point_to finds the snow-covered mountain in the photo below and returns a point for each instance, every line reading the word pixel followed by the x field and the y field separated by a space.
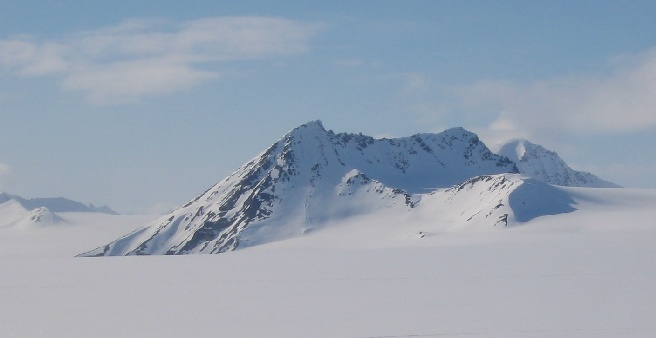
pixel 14 214
pixel 308 178
pixel 544 165
pixel 55 204
pixel 493 200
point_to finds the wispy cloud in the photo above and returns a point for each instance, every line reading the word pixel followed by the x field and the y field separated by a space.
pixel 148 57
pixel 619 101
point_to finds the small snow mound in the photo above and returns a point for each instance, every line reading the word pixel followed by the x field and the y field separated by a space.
pixel 352 179
pixel 41 217
pixel 14 215
pixel 354 173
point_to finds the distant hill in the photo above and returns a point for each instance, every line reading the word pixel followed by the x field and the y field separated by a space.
pixel 55 204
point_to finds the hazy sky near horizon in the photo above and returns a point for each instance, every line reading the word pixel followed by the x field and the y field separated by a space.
pixel 143 105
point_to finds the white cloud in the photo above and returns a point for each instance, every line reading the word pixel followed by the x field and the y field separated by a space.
pixel 620 102
pixel 130 80
pixel 149 57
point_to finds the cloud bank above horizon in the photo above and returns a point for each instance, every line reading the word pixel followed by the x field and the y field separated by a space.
pixel 142 58
pixel 619 101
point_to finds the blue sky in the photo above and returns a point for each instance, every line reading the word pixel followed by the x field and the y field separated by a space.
pixel 144 105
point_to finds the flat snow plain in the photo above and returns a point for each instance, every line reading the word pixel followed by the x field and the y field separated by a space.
pixel 589 273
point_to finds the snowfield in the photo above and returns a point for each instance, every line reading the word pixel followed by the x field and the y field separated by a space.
pixel 589 272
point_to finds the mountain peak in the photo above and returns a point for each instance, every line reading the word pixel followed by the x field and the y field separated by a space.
pixel 314 124
pixel 457 130
pixel 544 165
pixel 307 178
pixel 309 127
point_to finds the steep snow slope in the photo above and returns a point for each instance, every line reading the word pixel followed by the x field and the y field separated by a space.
pixel 535 161
pixel 42 217
pixel 308 177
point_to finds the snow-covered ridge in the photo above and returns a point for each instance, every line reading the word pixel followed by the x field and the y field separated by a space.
pixel 535 161
pixel 314 178
pixel 18 212
pixel 493 201
pixel 309 177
